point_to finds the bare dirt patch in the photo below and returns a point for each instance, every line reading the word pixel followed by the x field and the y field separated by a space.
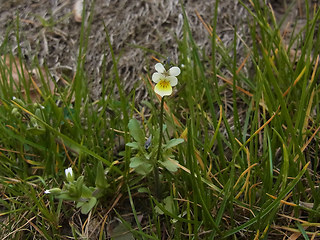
pixel 49 32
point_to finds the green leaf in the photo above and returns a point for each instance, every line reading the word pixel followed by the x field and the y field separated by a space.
pixel 86 192
pixel 148 104
pixel 158 210
pixel 73 190
pixel 121 232
pixel 92 202
pixel 170 165
pixel 168 205
pixel 78 185
pixel 87 206
pixel 140 165
pixel 67 197
pixel 302 230
pixel 80 204
pixel 133 145
pixel 173 142
pixel 143 190
pixel 136 161
pixel 136 131
pixel 144 169
pixel 101 181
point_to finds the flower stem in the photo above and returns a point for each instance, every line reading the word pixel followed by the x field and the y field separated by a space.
pixel 156 170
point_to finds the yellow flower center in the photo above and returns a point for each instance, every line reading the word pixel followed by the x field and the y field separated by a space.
pixel 164 84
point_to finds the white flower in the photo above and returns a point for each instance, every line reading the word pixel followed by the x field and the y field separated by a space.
pixel 69 174
pixel 164 79
pixel 53 191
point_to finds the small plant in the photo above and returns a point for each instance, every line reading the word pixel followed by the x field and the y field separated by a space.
pixel 152 153
pixel 145 159
pixel 76 190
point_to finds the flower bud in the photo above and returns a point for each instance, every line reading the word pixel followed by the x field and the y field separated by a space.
pixel 69 174
pixel 15 112
pixel 53 191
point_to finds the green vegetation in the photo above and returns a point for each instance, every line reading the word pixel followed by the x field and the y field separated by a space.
pixel 242 167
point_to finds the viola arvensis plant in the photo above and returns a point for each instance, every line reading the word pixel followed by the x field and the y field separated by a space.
pixel 164 79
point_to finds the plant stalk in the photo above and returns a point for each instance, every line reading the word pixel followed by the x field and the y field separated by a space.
pixel 156 170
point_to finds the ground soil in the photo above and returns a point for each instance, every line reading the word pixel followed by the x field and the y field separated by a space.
pixel 49 32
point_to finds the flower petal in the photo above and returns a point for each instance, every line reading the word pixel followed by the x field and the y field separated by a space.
pixel 157 76
pixel 68 171
pixel 160 68
pixel 173 80
pixel 174 71
pixel 163 88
